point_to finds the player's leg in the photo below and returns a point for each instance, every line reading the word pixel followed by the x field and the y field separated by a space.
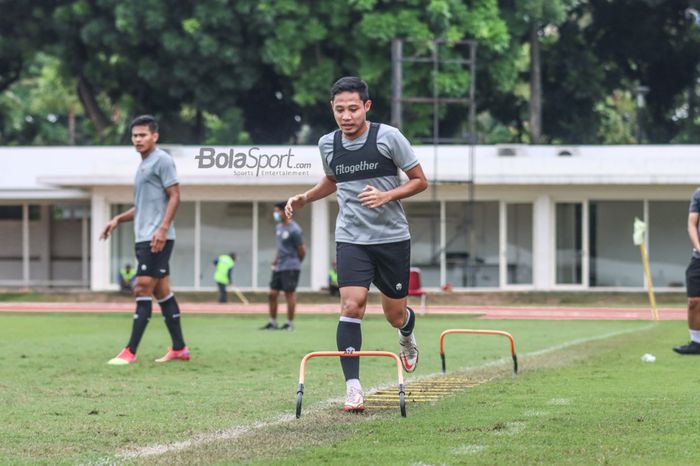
pixel 353 302
pixel 355 273
pixel 143 292
pixel 222 292
pixel 393 267
pixel 290 279
pixel 171 315
pixel 272 297
pixel 692 278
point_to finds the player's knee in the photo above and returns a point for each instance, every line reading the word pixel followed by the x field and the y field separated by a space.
pixel 141 290
pixel 272 295
pixel 694 304
pixel 350 307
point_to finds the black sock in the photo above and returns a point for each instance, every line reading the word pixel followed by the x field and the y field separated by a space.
pixel 349 335
pixel 408 327
pixel 144 308
pixel 171 315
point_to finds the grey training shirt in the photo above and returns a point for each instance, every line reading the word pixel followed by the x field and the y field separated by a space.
pixel 694 208
pixel 155 173
pixel 358 224
pixel 288 237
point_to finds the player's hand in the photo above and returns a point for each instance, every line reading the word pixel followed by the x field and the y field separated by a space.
pixel 294 202
pixel 158 240
pixel 372 197
pixel 108 229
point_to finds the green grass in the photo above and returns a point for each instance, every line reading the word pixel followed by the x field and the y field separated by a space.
pixel 61 403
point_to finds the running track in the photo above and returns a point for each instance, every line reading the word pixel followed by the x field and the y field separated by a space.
pixel 484 312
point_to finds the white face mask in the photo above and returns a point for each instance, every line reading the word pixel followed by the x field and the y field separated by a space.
pixel 277 217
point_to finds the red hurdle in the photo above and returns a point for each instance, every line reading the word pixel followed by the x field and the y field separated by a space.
pixel 302 370
pixel 481 332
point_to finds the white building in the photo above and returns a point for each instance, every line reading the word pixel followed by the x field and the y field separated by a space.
pixel 544 217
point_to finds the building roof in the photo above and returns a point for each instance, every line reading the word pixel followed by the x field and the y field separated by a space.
pixel 47 172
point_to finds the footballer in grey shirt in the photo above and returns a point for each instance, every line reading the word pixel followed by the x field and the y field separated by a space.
pixel 356 223
pixel 156 199
pixel 362 162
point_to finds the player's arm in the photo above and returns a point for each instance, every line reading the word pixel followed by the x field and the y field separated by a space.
pixel 693 219
pixel 323 188
pixel 372 197
pixel 161 234
pixel 116 220
pixel 301 250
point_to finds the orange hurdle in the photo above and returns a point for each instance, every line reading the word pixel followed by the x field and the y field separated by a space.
pixel 482 332
pixel 302 370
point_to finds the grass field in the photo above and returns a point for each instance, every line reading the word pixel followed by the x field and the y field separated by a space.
pixel 583 395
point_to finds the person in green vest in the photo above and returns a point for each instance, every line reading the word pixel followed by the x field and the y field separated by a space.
pixel 223 275
pixel 127 276
pixel 333 281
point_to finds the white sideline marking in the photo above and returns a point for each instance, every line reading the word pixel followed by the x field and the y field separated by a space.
pixel 237 431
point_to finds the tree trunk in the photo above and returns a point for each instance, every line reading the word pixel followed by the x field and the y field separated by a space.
pixel 199 126
pixel 535 86
pixel 71 126
pixel 92 108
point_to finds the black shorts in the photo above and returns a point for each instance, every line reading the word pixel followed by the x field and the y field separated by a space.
pixel 153 264
pixel 386 265
pixel 285 280
pixel 692 278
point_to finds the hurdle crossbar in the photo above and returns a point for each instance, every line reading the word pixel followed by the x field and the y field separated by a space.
pixel 479 332
pixel 316 354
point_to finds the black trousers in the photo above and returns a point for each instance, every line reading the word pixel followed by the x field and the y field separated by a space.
pixel 222 292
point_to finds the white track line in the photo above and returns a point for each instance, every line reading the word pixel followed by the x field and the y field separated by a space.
pixel 238 431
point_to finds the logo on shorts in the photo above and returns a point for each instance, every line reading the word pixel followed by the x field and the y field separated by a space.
pixel 399 286
pixel 143 267
pixel 162 270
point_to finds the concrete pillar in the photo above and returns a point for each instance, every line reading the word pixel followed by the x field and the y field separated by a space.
pixel 100 264
pixel 320 260
pixel 543 246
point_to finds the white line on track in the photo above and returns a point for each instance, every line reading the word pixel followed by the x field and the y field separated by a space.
pixel 238 431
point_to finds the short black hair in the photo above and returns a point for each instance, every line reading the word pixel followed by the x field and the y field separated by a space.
pixel 145 120
pixel 281 205
pixel 232 255
pixel 351 84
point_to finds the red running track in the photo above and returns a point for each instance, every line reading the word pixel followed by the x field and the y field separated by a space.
pixel 484 312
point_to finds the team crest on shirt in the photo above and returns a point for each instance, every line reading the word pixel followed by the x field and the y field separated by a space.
pixel 399 286
pixel 285 234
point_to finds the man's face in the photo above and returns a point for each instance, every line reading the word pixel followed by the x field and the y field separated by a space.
pixel 143 139
pixel 350 113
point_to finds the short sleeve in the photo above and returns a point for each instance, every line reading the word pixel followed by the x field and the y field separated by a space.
pixel 394 145
pixel 695 202
pixel 325 147
pixel 298 237
pixel 166 171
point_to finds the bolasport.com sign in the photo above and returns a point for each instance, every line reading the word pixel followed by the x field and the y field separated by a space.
pixel 251 162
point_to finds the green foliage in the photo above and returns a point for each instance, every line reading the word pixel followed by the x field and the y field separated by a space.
pixel 260 71
pixel 618 117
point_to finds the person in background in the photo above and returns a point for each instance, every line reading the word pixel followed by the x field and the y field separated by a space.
pixel 285 267
pixel 127 277
pixel 333 281
pixel 224 273
pixel 692 279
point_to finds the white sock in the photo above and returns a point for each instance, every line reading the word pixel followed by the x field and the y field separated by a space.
pixel 273 322
pixel 353 383
pixel 695 336
pixel 290 323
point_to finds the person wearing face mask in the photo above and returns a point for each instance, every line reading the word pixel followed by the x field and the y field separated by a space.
pixel 285 267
